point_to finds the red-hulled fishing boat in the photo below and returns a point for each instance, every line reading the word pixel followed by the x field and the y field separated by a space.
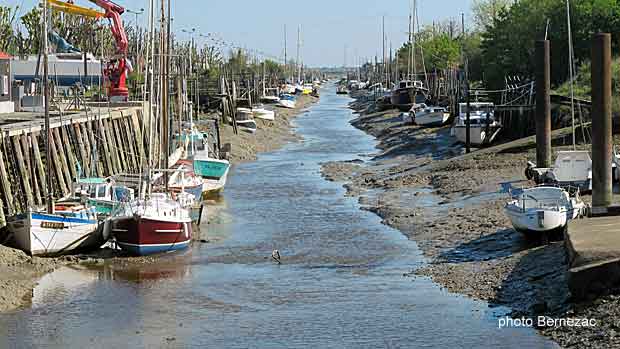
pixel 158 224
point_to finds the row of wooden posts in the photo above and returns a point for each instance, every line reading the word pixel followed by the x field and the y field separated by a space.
pixel 95 145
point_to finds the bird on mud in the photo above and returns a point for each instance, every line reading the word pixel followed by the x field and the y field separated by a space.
pixel 276 256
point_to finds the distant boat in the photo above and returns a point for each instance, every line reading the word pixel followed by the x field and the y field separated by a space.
pixel 341 90
pixel 245 120
pixel 431 116
pixel 287 101
pixel 408 93
pixel 72 227
pixel 155 225
pixel 543 210
pixel 271 98
pixel 260 112
pixel 483 126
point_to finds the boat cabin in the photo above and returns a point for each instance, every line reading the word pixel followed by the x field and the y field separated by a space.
pixel 477 108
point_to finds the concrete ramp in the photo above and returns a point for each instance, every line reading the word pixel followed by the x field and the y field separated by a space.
pixel 593 250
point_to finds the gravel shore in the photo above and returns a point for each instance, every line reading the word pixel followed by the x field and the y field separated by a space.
pixel 19 273
pixel 420 183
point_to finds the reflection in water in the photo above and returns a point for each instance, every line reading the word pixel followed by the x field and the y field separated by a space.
pixel 340 284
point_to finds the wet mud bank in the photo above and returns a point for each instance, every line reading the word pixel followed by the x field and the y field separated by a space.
pixel 421 183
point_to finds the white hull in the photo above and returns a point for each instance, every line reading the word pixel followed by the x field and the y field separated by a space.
pixel 247 125
pixel 477 134
pixel 431 119
pixel 43 234
pixel 286 104
pixel 270 99
pixel 212 186
pixel 265 114
pixel 536 220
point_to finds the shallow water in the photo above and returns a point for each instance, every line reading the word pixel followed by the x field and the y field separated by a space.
pixel 341 284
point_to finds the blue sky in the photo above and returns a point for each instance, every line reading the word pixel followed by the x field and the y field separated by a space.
pixel 327 25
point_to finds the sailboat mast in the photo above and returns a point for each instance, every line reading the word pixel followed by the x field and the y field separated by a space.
pixel 46 97
pixel 166 112
pixel 413 59
pixel 571 73
pixel 285 55
pixel 298 52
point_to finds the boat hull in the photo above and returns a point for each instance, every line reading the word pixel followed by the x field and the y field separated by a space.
pixel 268 115
pixel 477 134
pixel 145 236
pixel 432 120
pixel 286 104
pixel 247 125
pixel 536 220
pixel 45 234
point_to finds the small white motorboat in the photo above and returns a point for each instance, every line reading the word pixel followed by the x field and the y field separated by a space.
pixel 483 128
pixel 571 168
pixel 245 120
pixel 431 116
pixel 543 209
pixel 261 113
pixel 287 101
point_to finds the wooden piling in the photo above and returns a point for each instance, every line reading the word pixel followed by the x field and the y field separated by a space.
pixel 23 171
pixel 543 104
pixel 6 185
pixel 601 122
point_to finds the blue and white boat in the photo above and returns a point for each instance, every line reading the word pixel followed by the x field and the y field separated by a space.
pixel 213 171
pixel 287 101
pixel 71 228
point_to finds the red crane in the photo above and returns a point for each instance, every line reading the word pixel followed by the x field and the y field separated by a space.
pixel 117 68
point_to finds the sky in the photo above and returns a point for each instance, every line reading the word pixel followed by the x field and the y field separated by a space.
pixel 327 26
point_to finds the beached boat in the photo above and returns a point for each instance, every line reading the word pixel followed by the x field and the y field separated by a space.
pixel 104 194
pixel 543 209
pixel 261 113
pixel 571 168
pixel 306 89
pixel 271 96
pixel 72 227
pixel 245 120
pixel 341 90
pixel 155 225
pixel 287 101
pixel 431 116
pixel 204 163
pixel 184 180
pixel 483 128
pixel 408 93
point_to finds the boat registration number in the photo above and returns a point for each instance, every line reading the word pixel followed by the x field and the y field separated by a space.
pixel 52 225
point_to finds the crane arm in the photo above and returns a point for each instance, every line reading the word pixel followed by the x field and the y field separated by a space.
pixel 114 12
pixel 66 7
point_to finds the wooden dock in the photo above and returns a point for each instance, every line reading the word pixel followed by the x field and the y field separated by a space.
pixel 101 142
